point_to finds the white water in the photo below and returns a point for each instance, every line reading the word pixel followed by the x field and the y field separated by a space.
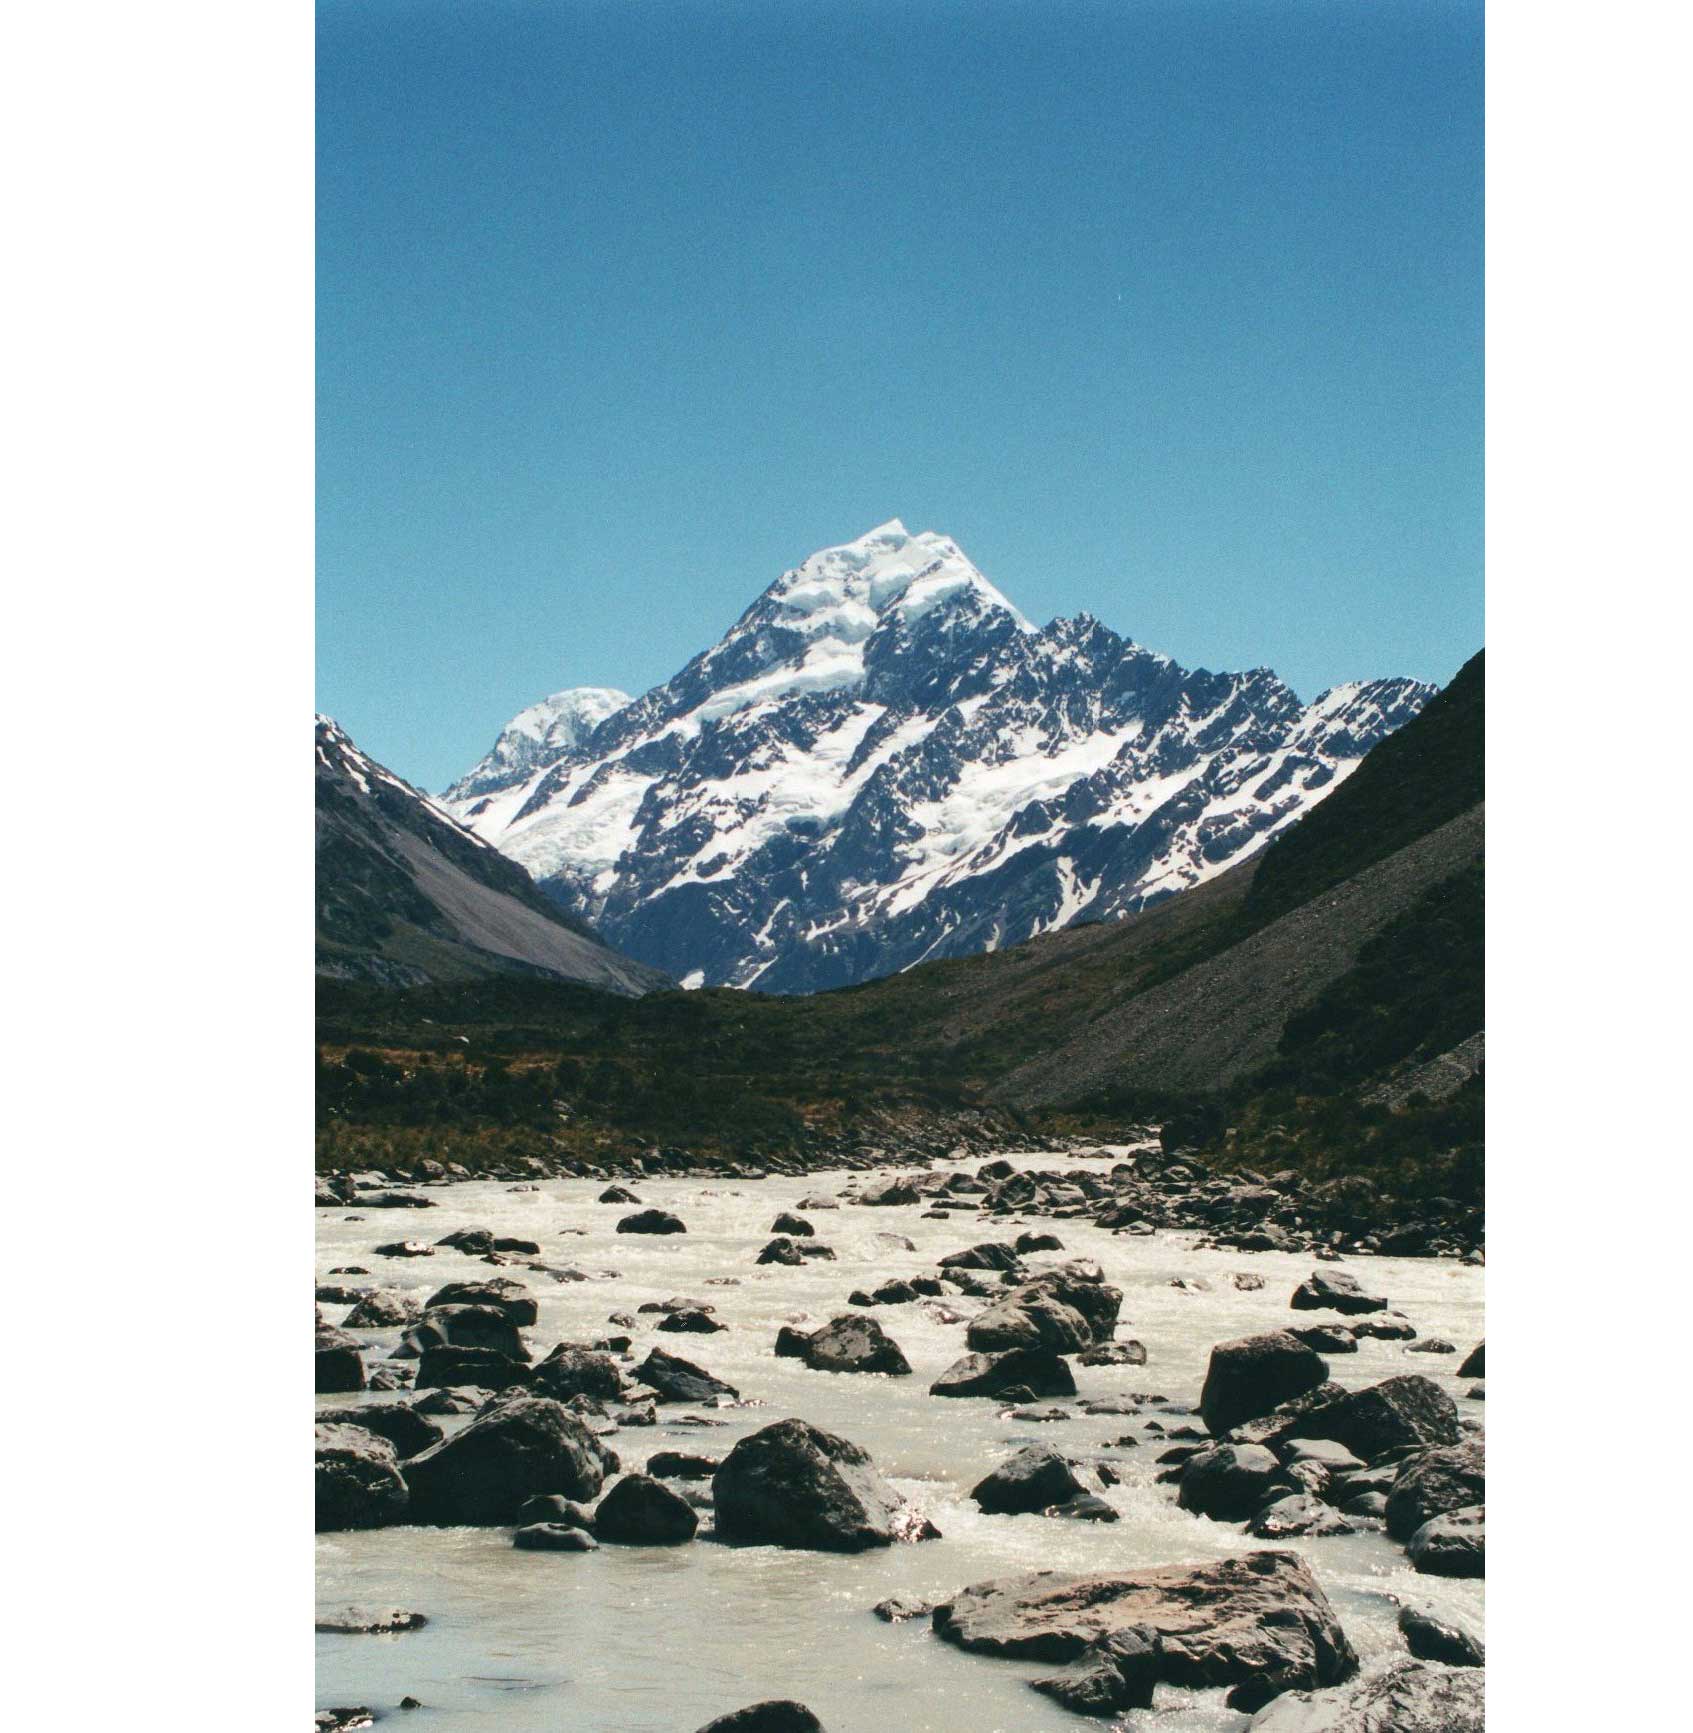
pixel 661 1640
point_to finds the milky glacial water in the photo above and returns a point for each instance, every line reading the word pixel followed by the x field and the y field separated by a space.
pixel 661 1640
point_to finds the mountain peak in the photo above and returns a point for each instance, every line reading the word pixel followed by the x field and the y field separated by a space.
pixel 845 592
pixel 882 761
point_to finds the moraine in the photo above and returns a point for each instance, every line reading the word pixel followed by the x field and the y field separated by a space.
pixel 666 1638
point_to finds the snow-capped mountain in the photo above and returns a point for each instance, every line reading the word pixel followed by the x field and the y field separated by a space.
pixel 882 761
pixel 538 737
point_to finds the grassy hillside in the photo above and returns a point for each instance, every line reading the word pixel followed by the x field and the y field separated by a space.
pixel 1348 955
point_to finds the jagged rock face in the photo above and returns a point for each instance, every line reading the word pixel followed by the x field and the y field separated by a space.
pixel 883 761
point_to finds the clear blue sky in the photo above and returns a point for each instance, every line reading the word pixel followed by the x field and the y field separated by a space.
pixel 1167 310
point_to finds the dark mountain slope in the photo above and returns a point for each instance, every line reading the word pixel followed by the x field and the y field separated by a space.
pixel 1223 1017
pixel 1341 1033
pixel 1408 785
pixel 406 895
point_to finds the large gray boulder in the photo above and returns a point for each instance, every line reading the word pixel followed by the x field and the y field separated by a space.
pixel 357 1479
pixel 1029 1320
pixel 467 1327
pixel 1117 1673
pixel 1413 1697
pixel 642 1511
pixel 791 1484
pixel 1334 1291
pixel 1229 1482
pixel 485 1473
pixel 340 1364
pixel 1434 1482
pixel 652 1221
pixel 1064 1310
pixel 1432 1636
pixel 1249 1377
pixel 989 1255
pixel 679 1380
pixel 1036 1370
pixel 854 1344
pixel 570 1370
pixel 447 1367
pixel 1453 1545
pixel 1396 1414
pixel 398 1422
pixel 500 1292
pixel 1030 1480
pixel 382 1309
pixel 1235 1619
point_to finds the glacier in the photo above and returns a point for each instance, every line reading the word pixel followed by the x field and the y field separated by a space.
pixel 884 761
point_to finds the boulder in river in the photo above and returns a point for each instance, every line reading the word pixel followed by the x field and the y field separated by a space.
pixel 1395 1414
pixel 1029 1320
pixel 398 1422
pixel 1029 1481
pixel 357 1479
pixel 1334 1291
pixel 642 1511
pixel 778 1715
pixel 1452 1545
pixel 522 1446
pixel 679 1380
pixel 1412 1697
pixel 781 1250
pixel 467 1327
pixel 1035 1370
pixel 890 1193
pixel 796 1226
pixel 1475 1362
pixel 691 1321
pixel 486 1368
pixel 652 1221
pixel 855 1344
pixel 382 1309
pixel 618 1194
pixel 1248 1377
pixel 989 1255
pixel 1433 1482
pixel 791 1484
pixel 553 1537
pixel 570 1370
pixel 499 1292
pixel 1117 1673
pixel 1432 1636
pixel 340 1365
pixel 1230 1481
pixel 473 1242
pixel 1128 1353
pixel 1297 1513
pixel 682 1465
pixel 1261 1613
pixel 1327 1338
pixel 553 1507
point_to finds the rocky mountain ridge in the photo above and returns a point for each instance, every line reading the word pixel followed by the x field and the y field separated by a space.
pixel 883 761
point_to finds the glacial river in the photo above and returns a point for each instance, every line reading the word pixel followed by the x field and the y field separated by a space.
pixel 661 1640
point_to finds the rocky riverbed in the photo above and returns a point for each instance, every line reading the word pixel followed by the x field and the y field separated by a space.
pixel 603 1539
